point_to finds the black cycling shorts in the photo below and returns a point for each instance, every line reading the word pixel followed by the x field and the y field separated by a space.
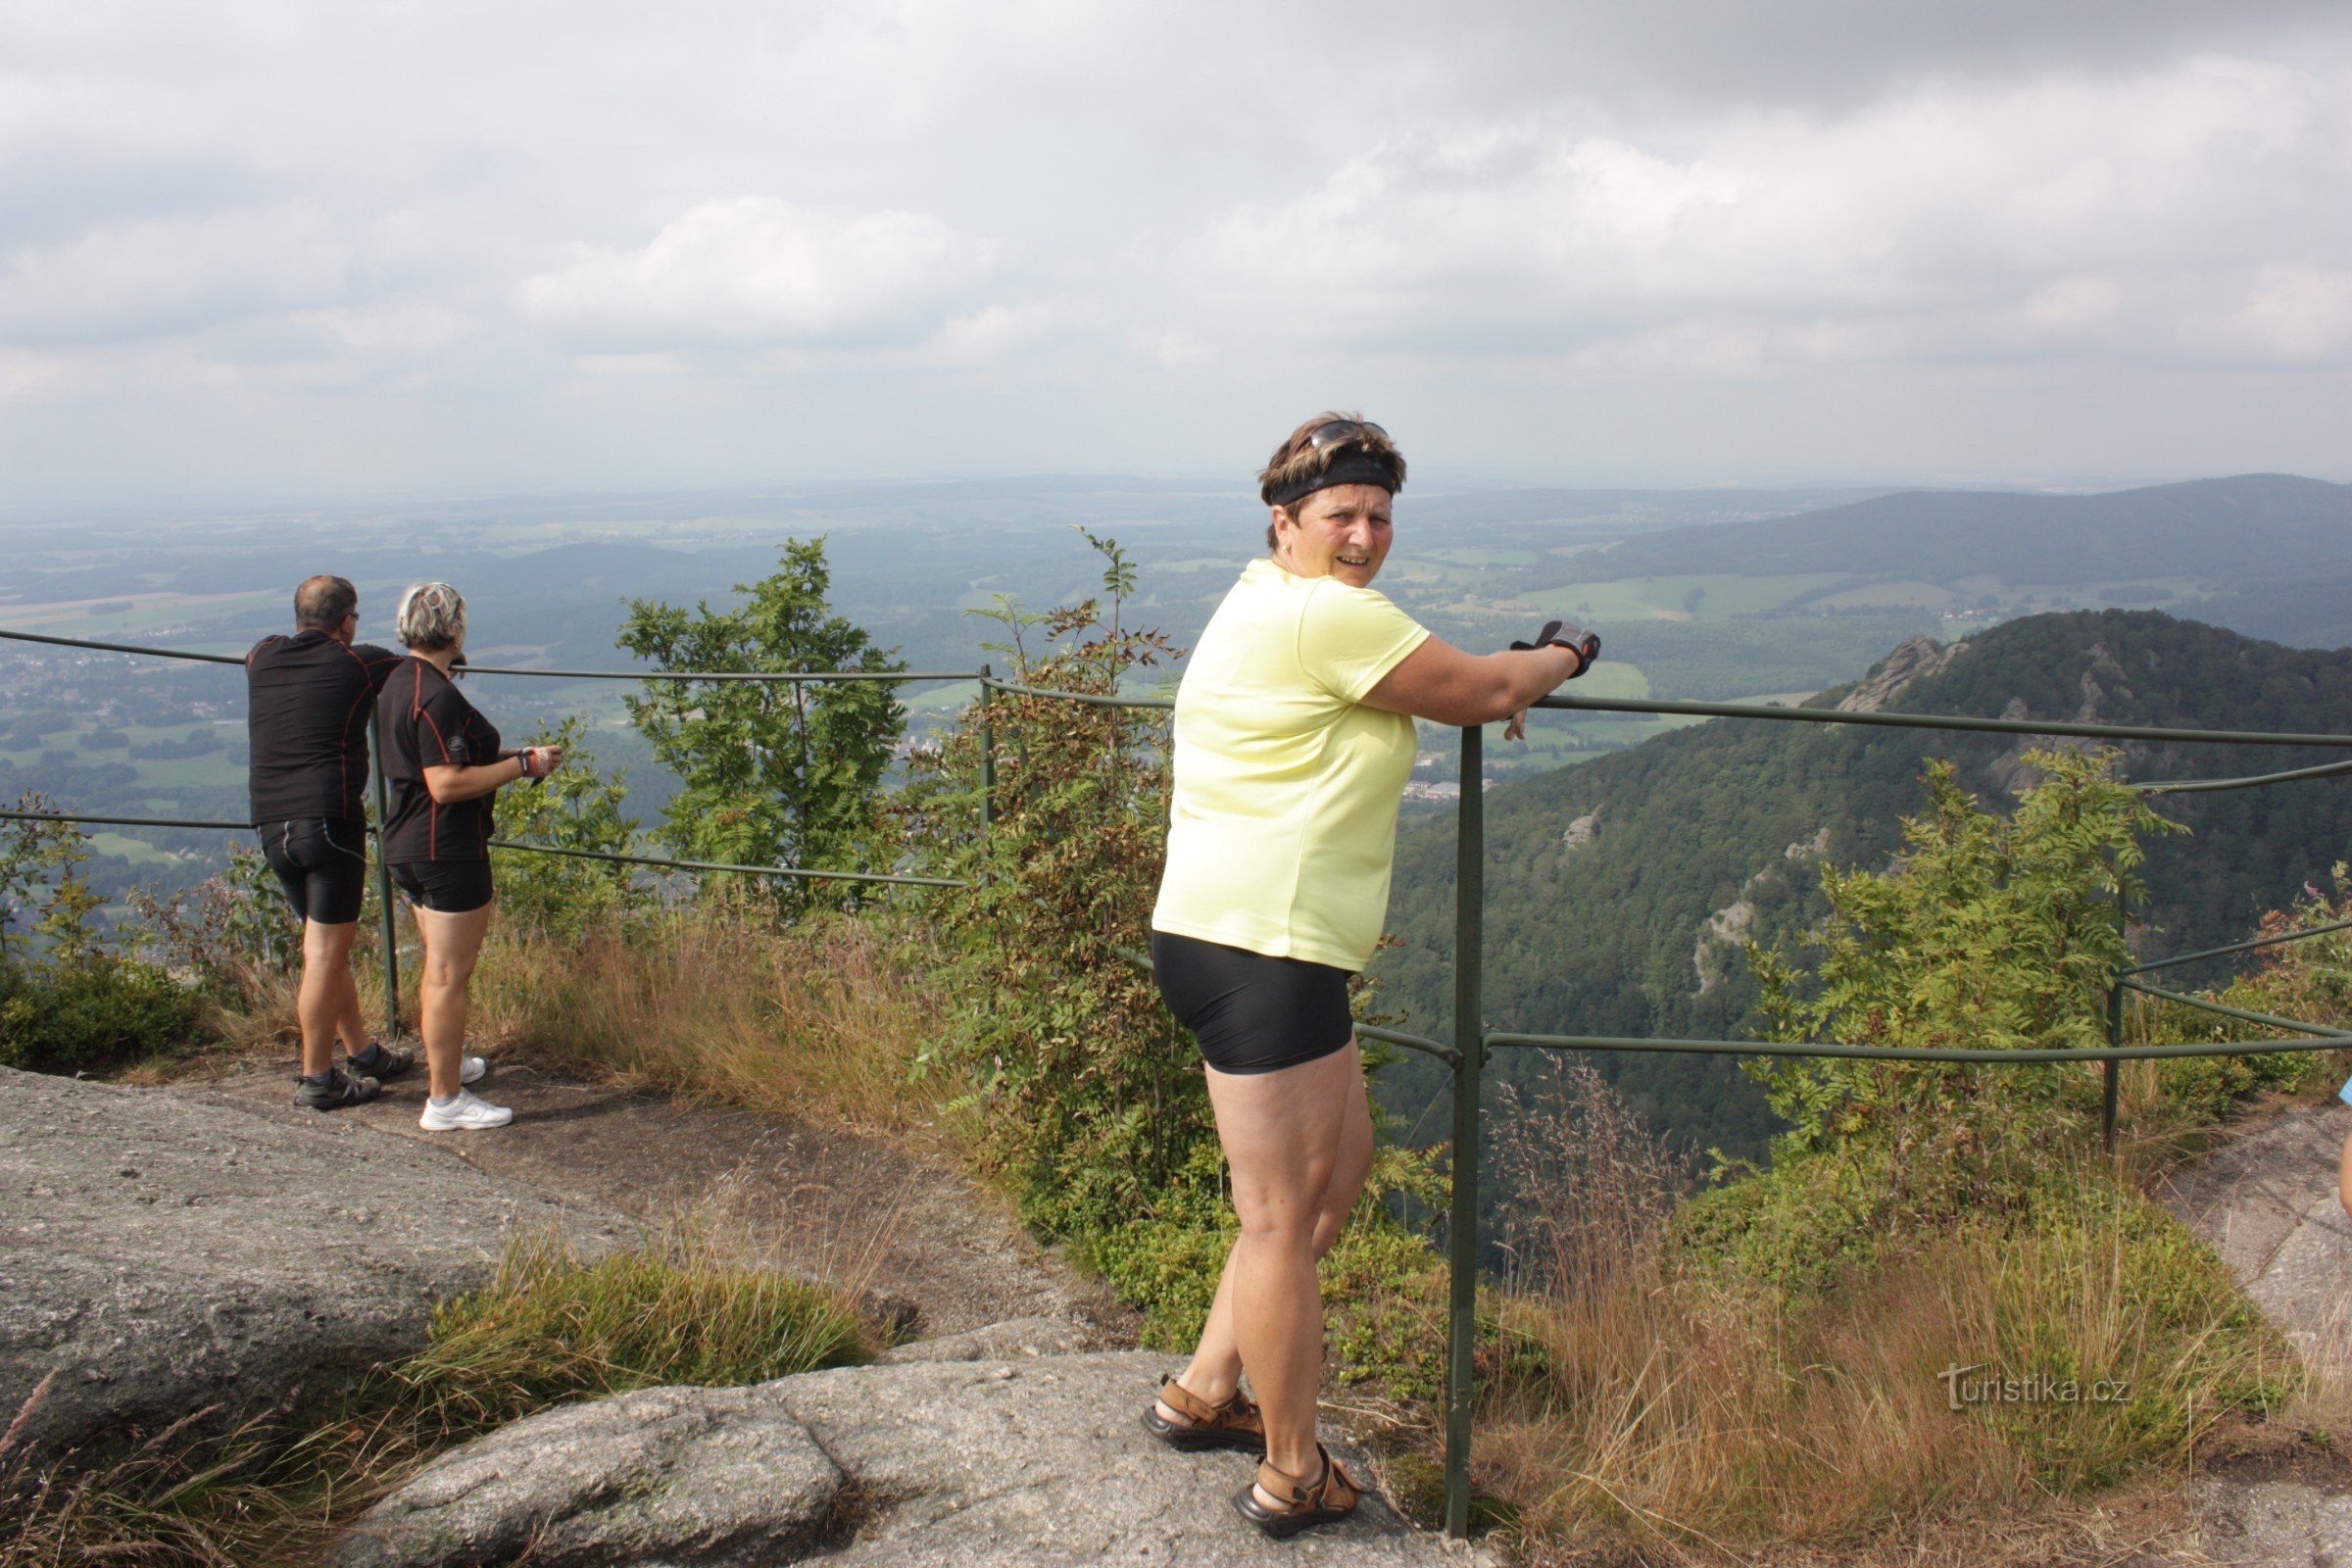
pixel 1251 1012
pixel 444 887
pixel 323 864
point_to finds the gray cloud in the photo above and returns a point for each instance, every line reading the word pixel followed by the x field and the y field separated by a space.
pixel 1122 232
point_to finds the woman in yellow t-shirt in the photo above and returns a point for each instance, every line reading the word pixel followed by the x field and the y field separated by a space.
pixel 1293 743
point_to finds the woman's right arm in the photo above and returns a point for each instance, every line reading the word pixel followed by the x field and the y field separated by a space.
pixel 450 784
pixel 1441 683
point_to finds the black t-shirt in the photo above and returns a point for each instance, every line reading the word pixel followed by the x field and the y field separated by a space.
pixel 428 722
pixel 305 709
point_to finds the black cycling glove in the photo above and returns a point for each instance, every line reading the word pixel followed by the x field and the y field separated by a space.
pixel 1567 634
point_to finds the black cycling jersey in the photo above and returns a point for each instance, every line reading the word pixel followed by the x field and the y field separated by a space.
pixel 305 709
pixel 428 722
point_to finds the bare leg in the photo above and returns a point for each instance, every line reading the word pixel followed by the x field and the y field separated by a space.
pixel 1216 1365
pixel 350 1022
pixel 319 1002
pixel 1283 1133
pixel 452 945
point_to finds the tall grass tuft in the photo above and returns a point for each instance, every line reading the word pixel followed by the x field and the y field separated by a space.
pixel 554 1326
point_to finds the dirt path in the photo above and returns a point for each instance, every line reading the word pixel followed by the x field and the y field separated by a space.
pixel 846 1206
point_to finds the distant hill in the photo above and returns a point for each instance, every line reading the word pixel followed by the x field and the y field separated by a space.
pixel 2221 531
pixel 1617 890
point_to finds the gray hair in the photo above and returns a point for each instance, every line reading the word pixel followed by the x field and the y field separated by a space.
pixel 432 616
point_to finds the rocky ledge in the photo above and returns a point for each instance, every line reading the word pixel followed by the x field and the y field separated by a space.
pixel 1032 1460
pixel 162 1255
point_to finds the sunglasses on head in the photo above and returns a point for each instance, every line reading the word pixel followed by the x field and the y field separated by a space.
pixel 1332 431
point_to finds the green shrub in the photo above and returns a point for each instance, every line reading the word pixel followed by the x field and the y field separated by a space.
pixel 91 1016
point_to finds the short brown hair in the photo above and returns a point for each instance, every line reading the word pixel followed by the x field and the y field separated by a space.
pixel 1294 459
pixel 322 603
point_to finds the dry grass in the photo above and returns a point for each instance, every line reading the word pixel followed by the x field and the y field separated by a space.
pixel 822 1022
pixel 1649 1409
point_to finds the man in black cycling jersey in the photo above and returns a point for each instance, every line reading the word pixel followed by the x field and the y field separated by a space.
pixel 308 701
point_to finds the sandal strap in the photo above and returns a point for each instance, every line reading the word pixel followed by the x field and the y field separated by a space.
pixel 1299 1497
pixel 1236 1409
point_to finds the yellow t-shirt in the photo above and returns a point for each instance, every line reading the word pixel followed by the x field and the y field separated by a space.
pixel 1284 823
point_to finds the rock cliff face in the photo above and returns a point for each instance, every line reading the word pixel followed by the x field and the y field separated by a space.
pixel 1914 658
pixel 163 1255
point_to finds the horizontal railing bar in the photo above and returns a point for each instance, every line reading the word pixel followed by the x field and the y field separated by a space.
pixel 1096 698
pixel 2239 947
pixel 2200 786
pixel 2267 1020
pixel 2031 1056
pixel 1397 1037
pixel 719 865
pixel 1995 726
pixel 794 676
pixel 121 821
pixel 120 648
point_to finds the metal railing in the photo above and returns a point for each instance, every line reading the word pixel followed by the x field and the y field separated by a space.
pixel 1465 1059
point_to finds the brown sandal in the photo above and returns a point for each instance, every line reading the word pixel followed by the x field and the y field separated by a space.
pixel 1333 1496
pixel 1233 1424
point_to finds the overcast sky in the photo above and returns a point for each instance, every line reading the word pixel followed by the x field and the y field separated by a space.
pixel 269 251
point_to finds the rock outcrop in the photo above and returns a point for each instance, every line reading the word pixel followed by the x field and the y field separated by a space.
pixel 1914 658
pixel 163 1255
pixel 1035 1462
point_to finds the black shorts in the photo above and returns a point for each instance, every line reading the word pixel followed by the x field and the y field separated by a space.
pixel 323 864
pixel 444 887
pixel 1252 1013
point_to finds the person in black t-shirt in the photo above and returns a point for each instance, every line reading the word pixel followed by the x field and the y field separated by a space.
pixel 308 699
pixel 444 764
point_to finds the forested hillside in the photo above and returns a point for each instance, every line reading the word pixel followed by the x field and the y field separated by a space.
pixel 1617 891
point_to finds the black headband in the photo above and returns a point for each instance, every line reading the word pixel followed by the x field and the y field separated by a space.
pixel 1358 467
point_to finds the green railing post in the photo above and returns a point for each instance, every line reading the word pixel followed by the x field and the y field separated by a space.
pixel 988 758
pixel 384 882
pixel 2110 1089
pixel 1469 1041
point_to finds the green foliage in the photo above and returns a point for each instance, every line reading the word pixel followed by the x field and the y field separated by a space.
pixel 68 1004
pixel 41 888
pixel 774 774
pixel 1992 933
pixel 1989 933
pixel 556 1326
pixel 2309 980
pixel 578 807
pixel 96 1013
pixel 231 933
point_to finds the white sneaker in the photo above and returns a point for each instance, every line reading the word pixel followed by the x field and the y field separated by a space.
pixel 468 1111
pixel 470 1069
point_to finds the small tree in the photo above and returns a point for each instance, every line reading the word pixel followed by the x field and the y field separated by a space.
pixel 1991 933
pixel 775 773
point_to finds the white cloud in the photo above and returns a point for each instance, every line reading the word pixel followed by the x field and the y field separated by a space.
pixel 760 271
pixel 991 333
pixel 165 278
pixel 1945 217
